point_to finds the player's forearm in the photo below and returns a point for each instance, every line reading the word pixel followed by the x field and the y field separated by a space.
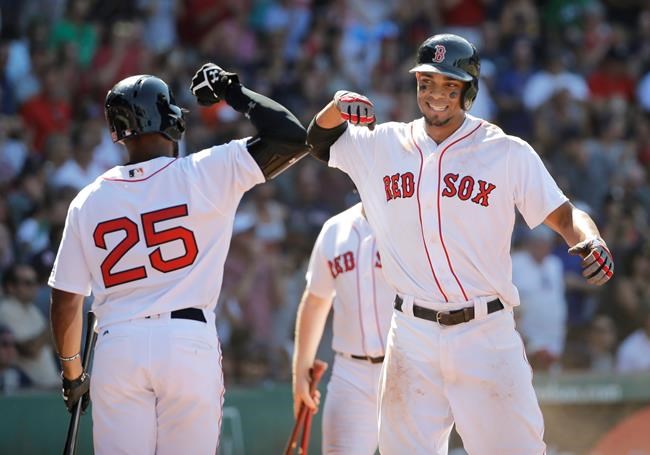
pixel 67 322
pixel 271 119
pixel 572 224
pixel 310 323
pixel 329 117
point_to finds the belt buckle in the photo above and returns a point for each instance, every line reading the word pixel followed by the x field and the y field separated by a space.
pixel 438 316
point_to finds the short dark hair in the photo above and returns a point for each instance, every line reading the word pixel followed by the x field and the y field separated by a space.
pixel 10 276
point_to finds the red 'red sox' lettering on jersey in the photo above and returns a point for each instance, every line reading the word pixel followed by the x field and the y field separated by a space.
pixel 465 188
pixel 399 185
pixel 341 263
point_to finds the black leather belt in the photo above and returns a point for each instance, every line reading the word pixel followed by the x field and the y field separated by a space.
pixel 362 357
pixel 368 358
pixel 448 317
pixel 194 314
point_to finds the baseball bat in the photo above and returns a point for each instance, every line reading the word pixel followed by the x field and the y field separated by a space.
pixel 303 421
pixel 73 427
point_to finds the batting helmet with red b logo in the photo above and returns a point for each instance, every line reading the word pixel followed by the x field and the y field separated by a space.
pixel 454 57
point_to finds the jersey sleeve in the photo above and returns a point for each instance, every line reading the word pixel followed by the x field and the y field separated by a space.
pixel 354 151
pixel 70 271
pixel 536 194
pixel 223 173
pixel 319 278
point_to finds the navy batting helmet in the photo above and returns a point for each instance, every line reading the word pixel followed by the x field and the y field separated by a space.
pixel 454 57
pixel 143 104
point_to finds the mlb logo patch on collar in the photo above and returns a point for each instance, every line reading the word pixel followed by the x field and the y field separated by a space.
pixel 137 172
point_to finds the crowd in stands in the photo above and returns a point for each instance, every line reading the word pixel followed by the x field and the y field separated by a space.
pixel 571 77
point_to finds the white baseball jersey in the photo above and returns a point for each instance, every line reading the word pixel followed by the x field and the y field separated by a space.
pixel 345 265
pixel 443 213
pixel 133 236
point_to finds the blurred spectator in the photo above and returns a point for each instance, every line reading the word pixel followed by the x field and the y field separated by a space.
pixel 252 280
pixel 120 55
pixel 72 35
pixel 519 20
pixel 509 90
pixel 542 315
pixel 612 78
pixel 309 211
pixel 12 378
pixel 580 170
pixel 80 169
pixel 553 78
pixel 269 215
pixel 13 150
pixel 643 92
pixel 632 291
pixel 595 350
pixel 160 24
pixel 634 353
pixel 464 18
pixel 48 111
pixel 29 326
pixel 581 297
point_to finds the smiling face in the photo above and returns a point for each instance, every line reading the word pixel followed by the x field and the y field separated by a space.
pixel 439 99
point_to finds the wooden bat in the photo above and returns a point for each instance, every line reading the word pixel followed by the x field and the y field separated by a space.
pixel 303 421
pixel 73 427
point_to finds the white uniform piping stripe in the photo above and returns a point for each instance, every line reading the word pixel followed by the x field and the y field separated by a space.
pixel 363 335
pixel 146 178
pixel 373 254
pixel 426 249
pixel 442 241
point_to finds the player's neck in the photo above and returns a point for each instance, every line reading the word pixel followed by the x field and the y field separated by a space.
pixel 441 132
pixel 147 147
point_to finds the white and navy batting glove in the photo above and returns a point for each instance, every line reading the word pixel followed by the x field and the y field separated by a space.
pixel 210 82
pixel 597 261
pixel 355 108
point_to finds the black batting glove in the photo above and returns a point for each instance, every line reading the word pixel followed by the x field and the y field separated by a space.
pixel 597 261
pixel 210 83
pixel 76 389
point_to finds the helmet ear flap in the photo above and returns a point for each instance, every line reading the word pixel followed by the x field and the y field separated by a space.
pixel 469 94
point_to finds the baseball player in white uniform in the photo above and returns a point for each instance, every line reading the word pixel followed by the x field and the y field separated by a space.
pixel 345 273
pixel 149 240
pixel 440 193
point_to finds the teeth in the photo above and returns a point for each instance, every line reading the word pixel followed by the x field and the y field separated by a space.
pixel 438 109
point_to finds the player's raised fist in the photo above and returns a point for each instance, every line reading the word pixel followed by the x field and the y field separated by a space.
pixel 355 108
pixel 597 261
pixel 210 83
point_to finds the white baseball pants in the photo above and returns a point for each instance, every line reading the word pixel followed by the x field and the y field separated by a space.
pixel 474 374
pixel 157 387
pixel 350 410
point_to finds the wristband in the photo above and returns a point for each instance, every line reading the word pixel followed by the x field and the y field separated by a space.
pixel 70 359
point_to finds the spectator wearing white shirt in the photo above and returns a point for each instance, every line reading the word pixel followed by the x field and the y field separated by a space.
pixel 542 315
pixel 79 170
pixel 554 78
pixel 634 353
pixel 29 326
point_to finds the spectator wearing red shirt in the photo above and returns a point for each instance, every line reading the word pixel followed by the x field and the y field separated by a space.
pixel 612 79
pixel 49 111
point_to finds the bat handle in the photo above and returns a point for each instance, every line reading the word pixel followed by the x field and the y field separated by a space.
pixel 304 443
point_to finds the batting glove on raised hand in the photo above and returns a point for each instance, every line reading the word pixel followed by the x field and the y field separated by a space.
pixel 75 390
pixel 210 83
pixel 597 261
pixel 355 108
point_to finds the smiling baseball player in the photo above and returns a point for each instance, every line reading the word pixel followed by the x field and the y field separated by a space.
pixel 345 274
pixel 149 239
pixel 440 193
